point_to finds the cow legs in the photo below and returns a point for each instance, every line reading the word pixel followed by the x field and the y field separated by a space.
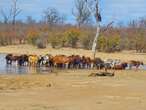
pixel 9 62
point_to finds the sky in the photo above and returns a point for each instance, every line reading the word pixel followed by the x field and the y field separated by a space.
pixel 120 11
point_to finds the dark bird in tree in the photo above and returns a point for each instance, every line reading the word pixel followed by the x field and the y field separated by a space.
pixel 98 17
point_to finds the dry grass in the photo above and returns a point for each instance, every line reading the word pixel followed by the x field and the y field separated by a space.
pixel 21 49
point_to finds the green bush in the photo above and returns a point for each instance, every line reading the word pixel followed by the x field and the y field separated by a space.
pixel 108 44
pixel 72 36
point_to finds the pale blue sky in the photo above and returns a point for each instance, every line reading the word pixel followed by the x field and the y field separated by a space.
pixel 117 10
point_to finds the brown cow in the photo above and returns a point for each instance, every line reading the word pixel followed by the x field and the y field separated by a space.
pixel 88 62
pixel 121 66
pixel 134 63
pixel 61 61
pixel 99 63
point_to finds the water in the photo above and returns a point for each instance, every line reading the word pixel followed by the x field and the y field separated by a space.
pixel 14 69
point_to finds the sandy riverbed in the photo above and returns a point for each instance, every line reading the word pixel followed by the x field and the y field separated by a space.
pixel 73 90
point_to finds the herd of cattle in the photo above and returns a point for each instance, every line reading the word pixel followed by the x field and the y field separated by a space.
pixel 70 62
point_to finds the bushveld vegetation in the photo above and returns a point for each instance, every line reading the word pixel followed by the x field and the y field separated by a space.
pixel 53 30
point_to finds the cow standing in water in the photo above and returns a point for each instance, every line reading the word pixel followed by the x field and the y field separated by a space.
pixel 33 60
pixel 45 60
pixel 10 58
pixel 61 61
pixel 121 66
pixel 136 64
pixel 21 60
pixel 99 63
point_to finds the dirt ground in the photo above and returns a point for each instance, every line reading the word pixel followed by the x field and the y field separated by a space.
pixel 28 49
pixel 73 90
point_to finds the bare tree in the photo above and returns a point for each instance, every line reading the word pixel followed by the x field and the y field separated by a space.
pixel 15 11
pixel 93 6
pixel 133 24
pixel 52 16
pixel 142 23
pixel 12 13
pixel 6 17
pixel 30 20
pixel 81 12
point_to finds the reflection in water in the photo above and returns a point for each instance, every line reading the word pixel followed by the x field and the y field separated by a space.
pixel 15 69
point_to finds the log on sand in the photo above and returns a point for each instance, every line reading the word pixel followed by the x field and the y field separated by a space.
pixel 103 74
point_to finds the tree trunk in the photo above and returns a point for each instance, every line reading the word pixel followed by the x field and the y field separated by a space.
pixel 95 40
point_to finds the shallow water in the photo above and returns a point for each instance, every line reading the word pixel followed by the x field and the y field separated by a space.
pixel 14 69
